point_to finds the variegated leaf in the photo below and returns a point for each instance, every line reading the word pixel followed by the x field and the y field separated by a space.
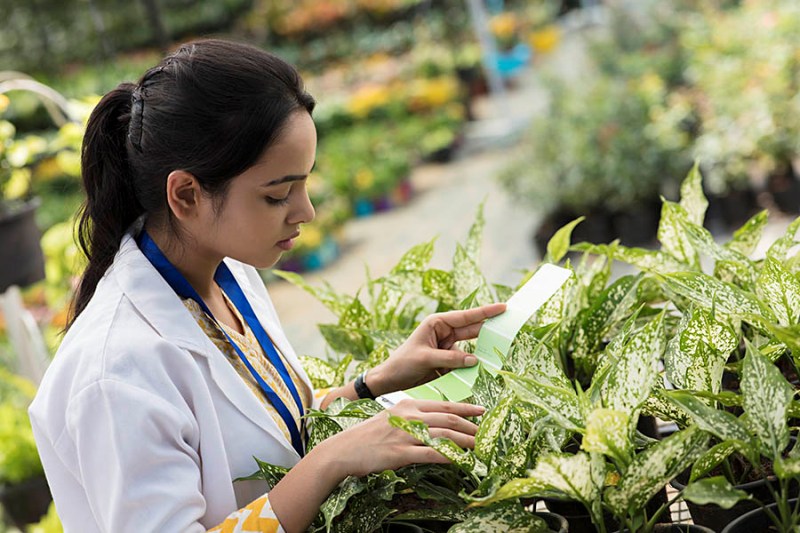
pixel 717 422
pixel 560 403
pixel 320 429
pixel 468 279
pixel 558 245
pixel 672 234
pixel 270 473
pixel 439 285
pixel 713 457
pixel 321 373
pixel 704 242
pixel 692 198
pixel 609 432
pixel 597 319
pixel 544 366
pixel 767 396
pixel 492 424
pixel 696 355
pixel 716 490
pixel 416 259
pixel 781 246
pixel 711 293
pixel 780 289
pixel 464 459
pixel 632 375
pixel 746 238
pixel 659 406
pixel 473 244
pixel 502 518
pixel 787 468
pixel 643 259
pixel 653 468
pixel 487 389
pixel 337 501
pixel 517 488
pixel 326 295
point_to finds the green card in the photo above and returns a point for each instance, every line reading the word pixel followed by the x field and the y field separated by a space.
pixel 496 335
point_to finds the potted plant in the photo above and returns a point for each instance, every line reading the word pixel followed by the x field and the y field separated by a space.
pixel 24 492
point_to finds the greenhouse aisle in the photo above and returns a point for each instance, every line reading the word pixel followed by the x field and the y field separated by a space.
pixel 447 197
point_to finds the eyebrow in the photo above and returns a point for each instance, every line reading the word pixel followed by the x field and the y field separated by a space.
pixel 291 177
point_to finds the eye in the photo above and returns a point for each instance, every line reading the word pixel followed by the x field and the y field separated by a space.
pixel 277 201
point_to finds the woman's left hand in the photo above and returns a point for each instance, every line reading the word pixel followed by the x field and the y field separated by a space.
pixel 428 352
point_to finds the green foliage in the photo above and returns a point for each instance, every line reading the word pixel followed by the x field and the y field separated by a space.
pixel 19 458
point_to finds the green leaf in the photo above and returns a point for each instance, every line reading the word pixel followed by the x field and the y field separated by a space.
pixel 347 340
pixel 702 240
pixel 696 356
pixel 603 313
pixel 780 289
pixel 464 459
pixel 473 244
pixel 337 501
pixel 672 234
pixel 713 457
pixel 272 474
pixel 560 403
pixel 721 424
pixel 558 245
pixel 320 429
pixel 653 468
pixel 711 293
pixel 767 396
pixel 643 259
pixel 787 468
pixel 492 424
pixel 579 476
pixel 439 285
pixel 746 238
pixel 416 259
pixel 467 278
pixel 633 374
pixel 321 373
pixel 716 490
pixel 326 295
pixel 504 518
pixel 781 246
pixel 608 432
pixel 693 200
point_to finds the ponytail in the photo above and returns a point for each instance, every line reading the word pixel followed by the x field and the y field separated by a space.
pixel 111 204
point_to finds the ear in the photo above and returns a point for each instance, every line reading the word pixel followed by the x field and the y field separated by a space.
pixel 183 194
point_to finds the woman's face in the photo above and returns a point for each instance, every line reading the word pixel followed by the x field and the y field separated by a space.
pixel 265 205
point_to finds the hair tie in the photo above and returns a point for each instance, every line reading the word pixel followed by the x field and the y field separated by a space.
pixel 137 117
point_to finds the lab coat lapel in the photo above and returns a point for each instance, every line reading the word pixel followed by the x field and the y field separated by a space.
pixel 165 312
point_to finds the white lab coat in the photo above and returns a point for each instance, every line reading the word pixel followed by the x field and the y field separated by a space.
pixel 141 422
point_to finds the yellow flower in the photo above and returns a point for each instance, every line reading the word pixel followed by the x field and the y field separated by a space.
pixel 365 178
pixel 546 39
pixel 368 98
pixel 503 26
pixel 4 101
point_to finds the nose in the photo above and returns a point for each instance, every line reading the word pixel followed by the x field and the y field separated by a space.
pixel 303 210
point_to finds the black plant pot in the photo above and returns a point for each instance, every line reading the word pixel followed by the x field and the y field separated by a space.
pixel 678 528
pixel 26 502
pixel 577 516
pixel 597 228
pixel 784 188
pixel 637 225
pixel 731 210
pixel 22 262
pixel 716 517
pixel 755 520
pixel 555 522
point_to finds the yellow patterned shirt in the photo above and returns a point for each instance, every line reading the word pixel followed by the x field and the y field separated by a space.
pixel 258 515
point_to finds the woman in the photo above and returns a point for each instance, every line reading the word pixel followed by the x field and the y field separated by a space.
pixel 175 372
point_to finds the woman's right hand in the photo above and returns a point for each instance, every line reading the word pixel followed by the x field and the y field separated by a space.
pixel 374 445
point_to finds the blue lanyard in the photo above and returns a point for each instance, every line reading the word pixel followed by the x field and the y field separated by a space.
pixel 227 282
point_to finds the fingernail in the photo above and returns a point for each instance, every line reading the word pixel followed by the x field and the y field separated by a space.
pixel 470 360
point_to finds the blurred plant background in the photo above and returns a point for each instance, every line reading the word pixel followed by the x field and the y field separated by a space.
pixel 670 82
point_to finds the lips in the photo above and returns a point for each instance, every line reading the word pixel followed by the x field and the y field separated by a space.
pixel 287 243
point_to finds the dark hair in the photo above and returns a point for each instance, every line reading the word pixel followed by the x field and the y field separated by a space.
pixel 211 108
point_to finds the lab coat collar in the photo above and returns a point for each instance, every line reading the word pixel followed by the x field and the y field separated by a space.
pixel 165 312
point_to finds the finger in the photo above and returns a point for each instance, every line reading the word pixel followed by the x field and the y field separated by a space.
pixel 458 319
pixel 460 409
pixel 464 441
pixel 450 421
pixel 450 359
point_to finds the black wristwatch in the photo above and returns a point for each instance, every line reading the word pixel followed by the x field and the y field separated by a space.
pixel 362 390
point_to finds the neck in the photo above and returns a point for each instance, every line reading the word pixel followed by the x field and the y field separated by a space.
pixel 193 262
